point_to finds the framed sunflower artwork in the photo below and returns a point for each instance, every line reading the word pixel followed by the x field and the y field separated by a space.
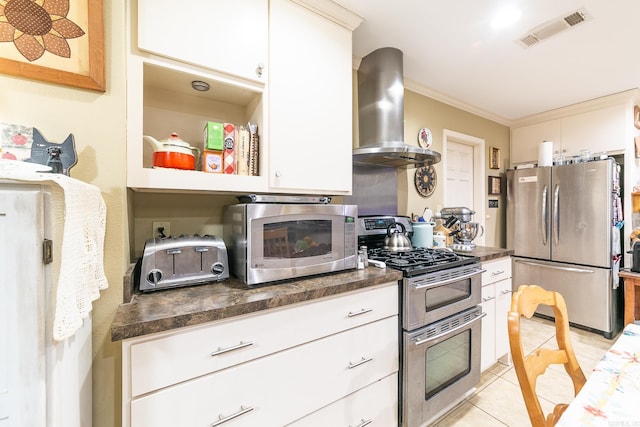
pixel 58 41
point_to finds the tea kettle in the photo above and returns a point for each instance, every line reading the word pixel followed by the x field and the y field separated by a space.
pixel 397 241
pixel 173 152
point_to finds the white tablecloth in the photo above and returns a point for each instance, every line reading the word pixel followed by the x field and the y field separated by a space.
pixel 611 396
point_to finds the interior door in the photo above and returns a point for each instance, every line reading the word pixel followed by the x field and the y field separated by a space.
pixel 459 175
pixel 582 213
pixel 528 217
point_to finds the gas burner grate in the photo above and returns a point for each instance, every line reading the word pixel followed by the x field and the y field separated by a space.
pixel 419 260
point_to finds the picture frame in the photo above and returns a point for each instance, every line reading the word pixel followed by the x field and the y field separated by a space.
pixel 495 185
pixel 636 116
pixel 494 158
pixel 78 60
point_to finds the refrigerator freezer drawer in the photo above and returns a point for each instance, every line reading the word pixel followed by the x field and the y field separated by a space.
pixel 591 300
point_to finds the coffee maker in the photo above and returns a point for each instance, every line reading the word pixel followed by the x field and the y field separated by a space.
pixel 463 229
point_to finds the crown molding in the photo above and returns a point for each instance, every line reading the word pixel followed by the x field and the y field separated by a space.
pixel 333 12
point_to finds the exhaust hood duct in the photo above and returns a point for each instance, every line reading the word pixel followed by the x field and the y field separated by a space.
pixel 381 114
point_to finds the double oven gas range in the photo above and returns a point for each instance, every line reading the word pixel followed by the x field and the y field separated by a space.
pixel 440 308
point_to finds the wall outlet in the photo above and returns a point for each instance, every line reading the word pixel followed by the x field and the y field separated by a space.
pixel 160 228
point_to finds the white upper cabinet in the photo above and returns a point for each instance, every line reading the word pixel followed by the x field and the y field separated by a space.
pixel 310 101
pixel 227 36
pixel 525 140
pixel 302 102
pixel 600 125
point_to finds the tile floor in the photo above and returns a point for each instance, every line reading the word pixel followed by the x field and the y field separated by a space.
pixel 498 401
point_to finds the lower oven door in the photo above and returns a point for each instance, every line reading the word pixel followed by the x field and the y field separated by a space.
pixel 441 366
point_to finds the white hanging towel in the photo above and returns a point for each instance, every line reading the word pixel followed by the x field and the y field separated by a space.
pixel 78 215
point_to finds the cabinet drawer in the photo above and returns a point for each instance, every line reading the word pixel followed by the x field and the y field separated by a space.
pixel 164 359
pixel 497 270
pixel 276 390
pixel 375 405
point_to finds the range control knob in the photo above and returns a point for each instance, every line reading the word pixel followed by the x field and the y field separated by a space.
pixel 217 268
pixel 154 276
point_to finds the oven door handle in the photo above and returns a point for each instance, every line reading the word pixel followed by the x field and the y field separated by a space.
pixel 455 279
pixel 450 331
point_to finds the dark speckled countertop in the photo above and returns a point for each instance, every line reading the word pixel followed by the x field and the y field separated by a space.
pixel 174 308
pixel 487 253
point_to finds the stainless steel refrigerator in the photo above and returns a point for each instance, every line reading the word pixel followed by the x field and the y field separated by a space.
pixel 562 223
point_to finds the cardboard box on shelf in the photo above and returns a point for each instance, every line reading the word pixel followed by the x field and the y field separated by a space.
pixel 229 154
pixel 212 161
pixel 213 136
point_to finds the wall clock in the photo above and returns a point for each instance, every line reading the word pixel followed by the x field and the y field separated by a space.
pixel 426 180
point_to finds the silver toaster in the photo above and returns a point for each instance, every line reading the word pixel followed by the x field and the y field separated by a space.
pixel 169 262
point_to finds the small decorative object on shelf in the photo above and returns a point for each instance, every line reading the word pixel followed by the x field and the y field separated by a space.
pixel 636 116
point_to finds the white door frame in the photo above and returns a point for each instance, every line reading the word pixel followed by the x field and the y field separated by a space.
pixel 479 185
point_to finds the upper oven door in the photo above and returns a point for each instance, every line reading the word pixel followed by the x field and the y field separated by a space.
pixel 434 296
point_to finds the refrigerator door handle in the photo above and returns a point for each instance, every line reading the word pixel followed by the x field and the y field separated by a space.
pixel 556 214
pixel 544 216
pixel 554 267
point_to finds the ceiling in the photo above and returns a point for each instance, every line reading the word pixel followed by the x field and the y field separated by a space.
pixel 451 53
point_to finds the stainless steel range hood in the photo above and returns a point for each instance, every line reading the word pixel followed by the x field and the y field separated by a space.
pixel 381 114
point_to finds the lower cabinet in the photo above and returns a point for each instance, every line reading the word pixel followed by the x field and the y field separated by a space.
pixel 374 405
pixel 496 301
pixel 326 376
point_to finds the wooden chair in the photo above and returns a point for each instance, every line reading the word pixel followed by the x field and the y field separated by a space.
pixel 524 303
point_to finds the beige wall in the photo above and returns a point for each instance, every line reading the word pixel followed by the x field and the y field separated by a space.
pixel 420 112
pixel 97 122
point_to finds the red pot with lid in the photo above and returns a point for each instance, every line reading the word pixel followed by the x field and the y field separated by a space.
pixel 173 152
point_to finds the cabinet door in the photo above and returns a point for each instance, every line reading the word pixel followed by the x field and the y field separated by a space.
pixel 599 130
pixel 22 306
pixel 310 102
pixel 488 347
pixel 503 304
pixel 229 36
pixel 525 140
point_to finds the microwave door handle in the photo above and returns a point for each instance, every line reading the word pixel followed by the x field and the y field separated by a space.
pixel 544 217
pixel 556 214
pixel 450 331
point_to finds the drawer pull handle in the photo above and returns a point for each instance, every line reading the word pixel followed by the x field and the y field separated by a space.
pixel 363 423
pixel 223 419
pixel 485 299
pixel 497 272
pixel 221 350
pixel 506 291
pixel 361 362
pixel 363 311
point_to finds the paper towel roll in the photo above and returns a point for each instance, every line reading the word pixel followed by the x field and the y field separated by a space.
pixel 545 153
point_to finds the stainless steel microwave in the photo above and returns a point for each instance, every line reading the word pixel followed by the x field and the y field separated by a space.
pixel 269 242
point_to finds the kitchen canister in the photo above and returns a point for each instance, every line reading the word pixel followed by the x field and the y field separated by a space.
pixel 422 234
pixel 545 153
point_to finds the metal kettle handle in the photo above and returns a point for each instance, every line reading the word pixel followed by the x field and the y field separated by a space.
pixel 394 225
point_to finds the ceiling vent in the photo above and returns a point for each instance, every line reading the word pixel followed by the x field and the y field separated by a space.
pixel 553 27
